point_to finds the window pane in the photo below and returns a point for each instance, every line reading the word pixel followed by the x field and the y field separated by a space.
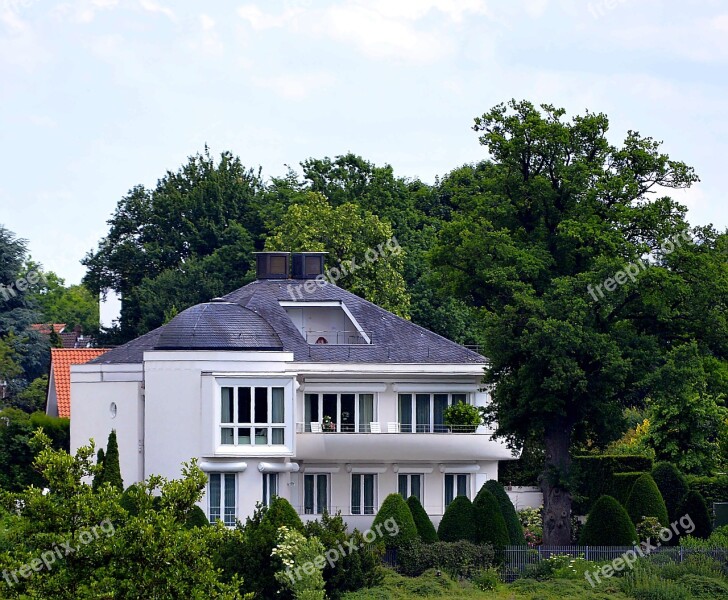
pixel 311 409
pixel 244 405
pixel 277 406
pixel 405 413
pixel 308 482
pixel 459 398
pixel 226 435
pixel 423 413
pixel 265 489
pixel 214 499
pixel 226 414
pixel 273 486
pixel 449 489
pixel 322 494
pixel 368 494
pixel 355 494
pixel 366 411
pixel 278 436
pixel 261 436
pixel 261 405
pixel 244 435
pixel 329 404
pixel 347 413
pixel 229 499
pixel 402 484
pixel 462 485
pixel 416 486
pixel 440 403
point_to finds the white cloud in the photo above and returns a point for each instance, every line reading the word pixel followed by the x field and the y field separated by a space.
pixel 208 41
pixel 260 20
pixel 296 86
pixel 83 11
pixel 153 7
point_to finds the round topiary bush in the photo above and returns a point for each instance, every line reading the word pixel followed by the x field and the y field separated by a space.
pixel 425 528
pixel 672 486
pixel 489 522
pixel 196 518
pixel 459 522
pixel 645 500
pixel 279 513
pixel 394 507
pixel 608 524
pixel 693 505
pixel 513 523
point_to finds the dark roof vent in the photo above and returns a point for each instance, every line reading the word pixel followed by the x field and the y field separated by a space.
pixel 272 265
pixel 308 265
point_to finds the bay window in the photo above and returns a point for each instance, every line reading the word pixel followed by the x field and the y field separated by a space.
pixel 252 416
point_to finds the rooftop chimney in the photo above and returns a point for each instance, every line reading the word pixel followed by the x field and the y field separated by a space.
pixel 308 265
pixel 272 265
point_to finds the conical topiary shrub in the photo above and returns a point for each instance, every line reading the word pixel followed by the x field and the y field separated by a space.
pixel 395 507
pixel 672 486
pixel 99 479
pixel 425 528
pixel 458 522
pixel 645 500
pixel 608 524
pixel 489 522
pixel 111 471
pixel 513 523
pixel 693 505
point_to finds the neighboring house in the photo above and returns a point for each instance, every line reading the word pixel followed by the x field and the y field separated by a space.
pixel 296 388
pixel 70 339
pixel 59 380
pixel 46 328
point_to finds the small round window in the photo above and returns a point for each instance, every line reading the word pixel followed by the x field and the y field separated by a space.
pixel 112 410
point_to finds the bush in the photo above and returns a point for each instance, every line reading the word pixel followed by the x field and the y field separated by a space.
pixel 645 585
pixel 694 506
pixel 459 522
pixel 486 580
pixel 713 489
pixel 608 524
pixel 489 522
pixel 672 486
pixel 622 484
pixel 425 528
pixel 196 517
pixel 513 523
pixel 394 507
pixel 593 476
pixel 458 559
pixel 645 500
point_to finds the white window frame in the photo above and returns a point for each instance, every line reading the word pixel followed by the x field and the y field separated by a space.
pixel 356 394
pixel 224 513
pixel 421 497
pixel 253 426
pixel 430 427
pixel 268 494
pixel 316 509
pixel 454 480
pixel 375 494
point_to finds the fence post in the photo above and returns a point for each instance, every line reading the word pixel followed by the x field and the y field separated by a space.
pixel 681 554
pixel 586 556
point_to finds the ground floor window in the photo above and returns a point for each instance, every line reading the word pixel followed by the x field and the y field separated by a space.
pixel 410 485
pixel 363 493
pixel 456 484
pixel 270 487
pixel 221 498
pixel 315 493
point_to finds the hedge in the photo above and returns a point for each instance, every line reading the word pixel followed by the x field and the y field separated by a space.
pixel 622 486
pixel 645 500
pixel 490 525
pixel 672 486
pixel 457 559
pixel 458 522
pixel 713 489
pixel 395 508
pixel 513 523
pixel 425 528
pixel 593 476
pixel 608 524
pixel 694 506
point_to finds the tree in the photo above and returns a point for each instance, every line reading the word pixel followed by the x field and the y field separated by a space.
pixel 394 508
pixel 608 524
pixel 557 212
pixel 693 505
pixel 99 477
pixel 459 522
pixel 33 398
pixel 645 500
pixel 672 486
pixel 425 528
pixel 490 525
pixel 513 523
pixel 74 305
pixel 110 468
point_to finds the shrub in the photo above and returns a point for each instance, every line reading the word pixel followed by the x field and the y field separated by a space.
pixel 296 552
pixel 458 559
pixel 196 517
pixel 694 506
pixel 645 500
pixel 489 522
pixel 99 477
pixel 532 521
pixel 486 580
pixel 425 528
pixel 111 471
pixel 513 523
pixel 608 524
pixel 672 486
pixel 645 585
pixel 459 522
pixel 394 507
pixel 593 476
pixel 713 489
pixel 622 484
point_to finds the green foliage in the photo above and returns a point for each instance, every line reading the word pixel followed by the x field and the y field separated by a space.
pixel 99 478
pixel 74 305
pixel 672 485
pixel 462 413
pixel 110 469
pixel 425 528
pixel 32 398
pixel 459 522
pixel 713 489
pixel 395 508
pixel 645 585
pixel 486 580
pixel 532 521
pixel 693 504
pixel 196 518
pixel 490 525
pixel 593 476
pixel 645 500
pixel 513 523
pixel 717 539
pixel 356 570
pixel 608 524
pixel 297 554
pixel 622 484
pixel 458 559
pixel 527 469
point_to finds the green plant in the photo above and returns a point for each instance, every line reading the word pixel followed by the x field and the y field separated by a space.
pixel 532 521
pixel 649 529
pixel 622 484
pixel 301 572
pixel 463 415
pixel 486 580
pixel 646 585
pixel 593 476
pixel 395 508
pixel 425 528
pixel 513 524
pixel 693 505
pixel 110 469
pixel 489 522
pixel 458 559
pixel 713 489
pixel 459 522
pixel 672 485
pixel 608 524
pixel 196 517
pixel 645 500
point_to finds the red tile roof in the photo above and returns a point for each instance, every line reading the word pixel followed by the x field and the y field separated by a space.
pixel 45 328
pixel 61 361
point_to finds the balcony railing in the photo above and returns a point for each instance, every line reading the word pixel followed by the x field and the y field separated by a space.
pixel 337 337
pixel 390 427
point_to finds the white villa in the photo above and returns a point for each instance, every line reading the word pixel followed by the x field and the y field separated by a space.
pixel 294 387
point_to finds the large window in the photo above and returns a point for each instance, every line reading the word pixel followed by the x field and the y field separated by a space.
pixel 221 498
pixel 270 487
pixel 425 413
pixel 456 484
pixel 349 413
pixel 410 485
pixel 252 416
pixel 363 494
pixel 315 493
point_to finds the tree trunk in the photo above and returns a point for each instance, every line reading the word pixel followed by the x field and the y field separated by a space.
pixel 556 497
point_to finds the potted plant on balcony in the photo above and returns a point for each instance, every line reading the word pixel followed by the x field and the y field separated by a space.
pixel 327 425
pixel 462 417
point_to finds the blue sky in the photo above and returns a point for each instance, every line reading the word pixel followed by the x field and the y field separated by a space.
pixel 101 95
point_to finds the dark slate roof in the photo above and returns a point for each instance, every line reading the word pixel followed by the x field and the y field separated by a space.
pixel 394 340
